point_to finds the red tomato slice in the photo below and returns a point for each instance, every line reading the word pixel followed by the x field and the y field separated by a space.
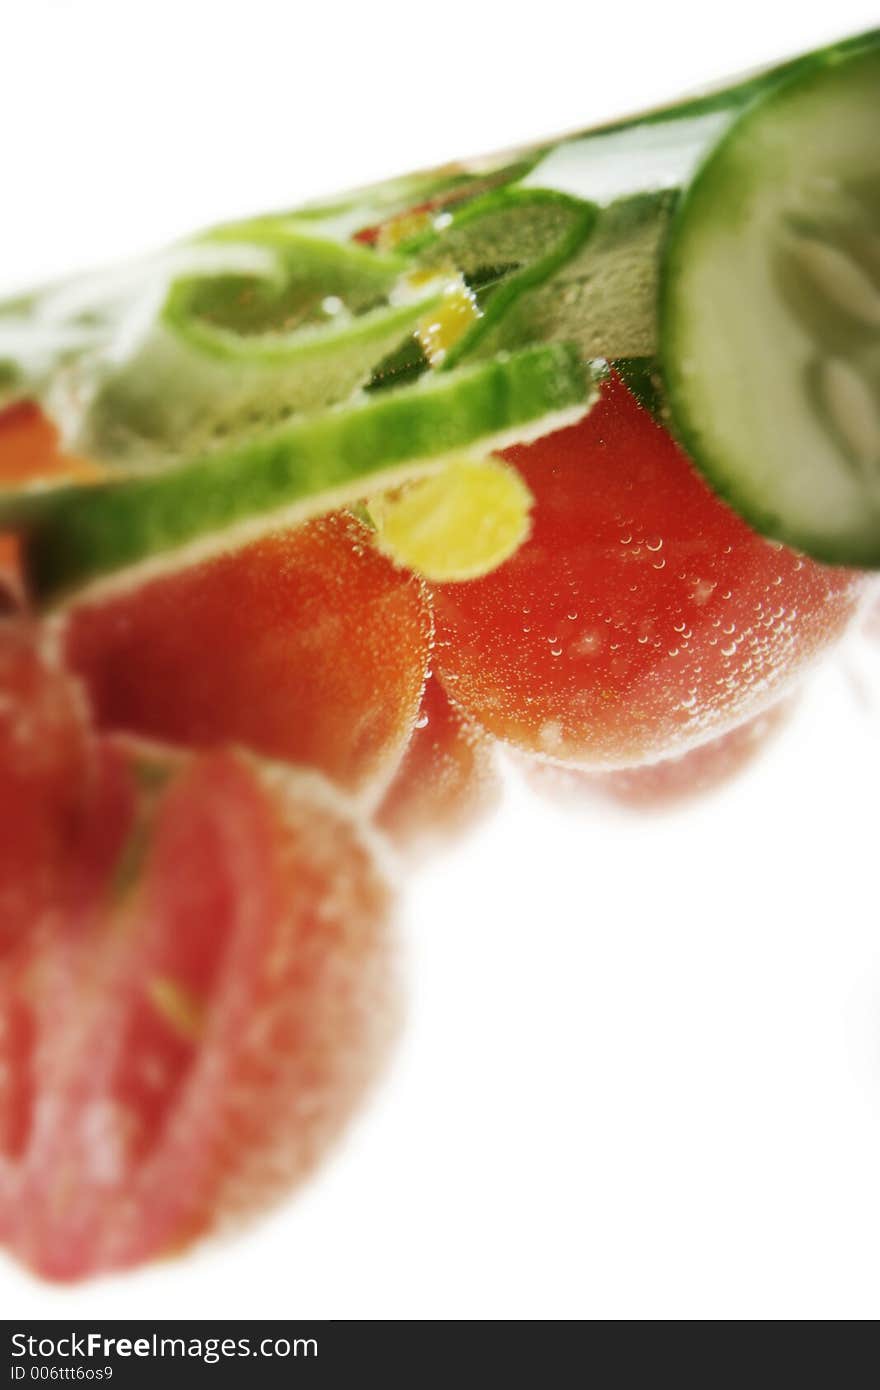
pixel 307 646
pixel 29 448
pixel 44 766
pixel 642 615
pixel 186 1046
pixel 447 779
pixel 28 444
pixel 657 786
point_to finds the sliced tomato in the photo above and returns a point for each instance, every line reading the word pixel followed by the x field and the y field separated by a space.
pixel 307 646
pixel 28 444
pixel 44 770
pixel 642 615
pixel 670 781
pixel 30 448
pixel 184 1048
pixel 447 779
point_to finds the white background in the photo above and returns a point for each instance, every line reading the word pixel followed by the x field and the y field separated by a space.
pixel 641 1076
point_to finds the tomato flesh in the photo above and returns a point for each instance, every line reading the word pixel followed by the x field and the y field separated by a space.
pixel 447 778
pixel 196 1027
pixel 307 646
pixel 44 763
pixel 642 616
pixel 29 449
pixel 670 781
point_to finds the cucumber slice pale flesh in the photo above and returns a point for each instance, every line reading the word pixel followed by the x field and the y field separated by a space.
pixel 770 312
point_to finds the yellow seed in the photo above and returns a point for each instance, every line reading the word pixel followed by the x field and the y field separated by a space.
pixel 177 1005
pixel 441 329
pixel 400 229
pixel 458 524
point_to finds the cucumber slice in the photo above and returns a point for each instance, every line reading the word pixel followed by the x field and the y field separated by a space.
pixel 234 353
pixel 57 341
pixel 373 205
pixel 511 245
pixel 76 536
pixel 571 253
pixel 311 281
pixel 170 400
pixel 770 312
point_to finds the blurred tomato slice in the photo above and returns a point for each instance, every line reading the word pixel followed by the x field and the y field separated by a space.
pixel 184 1044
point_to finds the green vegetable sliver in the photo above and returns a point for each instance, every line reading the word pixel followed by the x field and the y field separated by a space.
pixel 117 532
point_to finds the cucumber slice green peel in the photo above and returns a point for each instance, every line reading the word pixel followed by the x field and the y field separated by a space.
pixel 234 353
pixel 312 280
pixel 770 312
pixel 372 205
pixel 126 529
pixel 529 234
pixel 171 401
